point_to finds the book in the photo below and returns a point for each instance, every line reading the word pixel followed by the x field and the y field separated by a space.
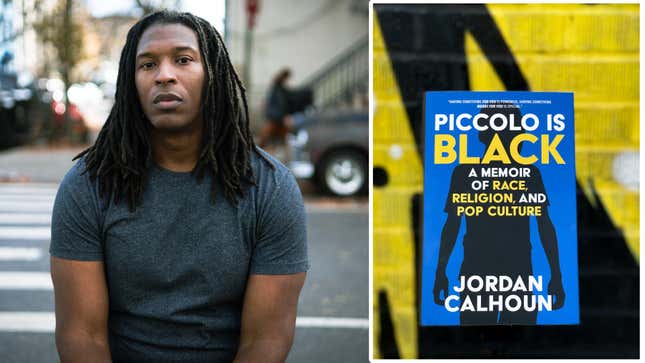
pixel 499 209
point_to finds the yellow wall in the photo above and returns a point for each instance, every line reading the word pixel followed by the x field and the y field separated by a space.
pixel 395 151
pixel 591 50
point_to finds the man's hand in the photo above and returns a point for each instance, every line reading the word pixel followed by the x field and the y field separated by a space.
pixel 440 284
pixel 557 291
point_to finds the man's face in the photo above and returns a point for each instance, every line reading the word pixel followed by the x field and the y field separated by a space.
pixel 169 76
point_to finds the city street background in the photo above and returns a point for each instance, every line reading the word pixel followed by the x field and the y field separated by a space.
pixel 59 61
pixel 333 309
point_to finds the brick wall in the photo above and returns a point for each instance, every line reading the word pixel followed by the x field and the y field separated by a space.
pixel 591 50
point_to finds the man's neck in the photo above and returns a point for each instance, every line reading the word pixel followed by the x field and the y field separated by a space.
pixel 176 151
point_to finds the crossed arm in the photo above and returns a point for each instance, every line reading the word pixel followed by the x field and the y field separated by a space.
pixel 268 315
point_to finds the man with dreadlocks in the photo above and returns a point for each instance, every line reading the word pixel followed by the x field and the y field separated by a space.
pixel 174 238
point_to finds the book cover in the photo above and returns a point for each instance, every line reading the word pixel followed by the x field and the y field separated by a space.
pixel 499 209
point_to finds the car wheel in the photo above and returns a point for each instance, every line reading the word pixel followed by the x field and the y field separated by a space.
pixel 343 173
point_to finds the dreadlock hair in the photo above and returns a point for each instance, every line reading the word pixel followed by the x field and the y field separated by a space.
pixel 122 155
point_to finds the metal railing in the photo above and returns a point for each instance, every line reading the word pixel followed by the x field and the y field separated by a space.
pixel 340 80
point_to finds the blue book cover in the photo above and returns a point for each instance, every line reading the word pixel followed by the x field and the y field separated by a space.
pixel 499 209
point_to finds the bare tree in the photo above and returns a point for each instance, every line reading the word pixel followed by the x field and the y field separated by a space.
pixel 63 30
pixel 150 6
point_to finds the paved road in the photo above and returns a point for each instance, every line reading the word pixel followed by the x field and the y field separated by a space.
pixel 36 164
pixel 333 310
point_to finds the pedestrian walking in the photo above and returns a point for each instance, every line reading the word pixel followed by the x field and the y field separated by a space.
pixel 278 118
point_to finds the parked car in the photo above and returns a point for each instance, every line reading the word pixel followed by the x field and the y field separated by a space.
pixel 332 148
pixel 15 109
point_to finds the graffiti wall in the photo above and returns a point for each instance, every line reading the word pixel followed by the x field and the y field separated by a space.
pixel 591 50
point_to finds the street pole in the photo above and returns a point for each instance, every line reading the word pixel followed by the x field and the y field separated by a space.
pixel 248 46
pixel 252 7
pixel 67 25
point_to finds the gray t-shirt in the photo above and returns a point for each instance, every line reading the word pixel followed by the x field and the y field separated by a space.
pixel 177 267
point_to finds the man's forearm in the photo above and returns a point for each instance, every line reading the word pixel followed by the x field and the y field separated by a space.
pixel 267 350
pixel 74 348
pixel 550 245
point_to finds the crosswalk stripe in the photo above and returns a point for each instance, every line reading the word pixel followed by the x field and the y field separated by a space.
pixel 32 322
pixel 323 209
pixel 18 189
pixel 37 233
pixel 19 280
pixel 25 218
pixel 45 322
pixel 20 254
pixel 330 322
pixel 27 198
pixel 26 206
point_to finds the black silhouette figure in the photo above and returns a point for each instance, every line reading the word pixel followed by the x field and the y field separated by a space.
pixel 497 245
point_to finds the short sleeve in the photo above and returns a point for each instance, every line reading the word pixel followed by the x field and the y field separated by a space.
pixel 281 244
pixel 75 230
